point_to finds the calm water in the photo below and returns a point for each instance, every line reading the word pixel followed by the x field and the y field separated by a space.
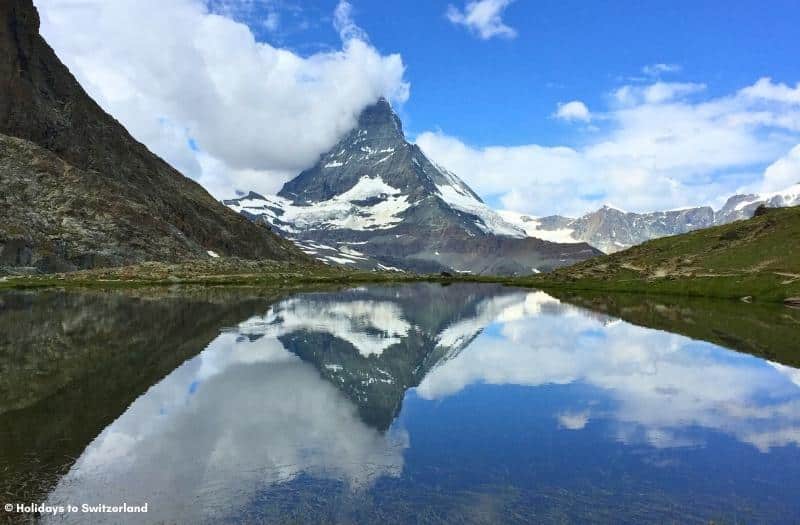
pixel 410 404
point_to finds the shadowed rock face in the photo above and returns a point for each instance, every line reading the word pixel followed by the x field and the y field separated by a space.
pixel 381 202
pixel 77 191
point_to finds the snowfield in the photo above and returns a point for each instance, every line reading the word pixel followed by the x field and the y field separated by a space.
pixel 459 197
pixel 344 211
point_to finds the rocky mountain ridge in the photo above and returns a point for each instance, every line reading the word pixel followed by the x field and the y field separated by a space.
pixel 610 229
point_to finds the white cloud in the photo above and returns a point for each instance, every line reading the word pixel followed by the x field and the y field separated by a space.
pixel 784 172
pixel 482 17
pixel 344 23
pixel 532 178
pixel 575 110
pixel 657 147
pixel 573 420
pixel 655 70
pixel 765 89
pixel 257 113
pixel 655 93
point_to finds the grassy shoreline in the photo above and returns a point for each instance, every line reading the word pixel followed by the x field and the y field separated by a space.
pixel 231 273
pixel 758 287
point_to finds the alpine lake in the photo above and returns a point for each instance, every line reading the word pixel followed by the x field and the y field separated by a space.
pixel 414 403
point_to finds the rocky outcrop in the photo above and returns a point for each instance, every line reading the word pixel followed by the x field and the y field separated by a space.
pixel 77 191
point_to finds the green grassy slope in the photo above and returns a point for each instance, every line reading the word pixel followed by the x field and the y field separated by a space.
pixel 759 257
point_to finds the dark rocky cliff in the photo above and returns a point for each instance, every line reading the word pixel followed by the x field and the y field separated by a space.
pixel 77 191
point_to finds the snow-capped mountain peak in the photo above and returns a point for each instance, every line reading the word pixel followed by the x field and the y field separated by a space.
pixel 377 190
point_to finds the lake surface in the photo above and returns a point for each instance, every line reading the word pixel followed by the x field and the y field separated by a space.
pixel 406 404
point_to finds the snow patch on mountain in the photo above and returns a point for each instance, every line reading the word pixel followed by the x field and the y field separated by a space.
pixel 531 226
pixel 342 254
pixel 458 196
pixel 371 204
pixel 365 188
pixel 787 197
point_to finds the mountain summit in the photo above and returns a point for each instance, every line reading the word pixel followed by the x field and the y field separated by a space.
pixel 379 134
pixel 375 200
pixel 77 191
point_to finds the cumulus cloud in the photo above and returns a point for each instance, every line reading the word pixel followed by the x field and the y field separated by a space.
pixel 532 178
pixel 784 172
pixel 483 18
pixel 766 89
pixel 575 110
pixel 657 147
pixel 201 91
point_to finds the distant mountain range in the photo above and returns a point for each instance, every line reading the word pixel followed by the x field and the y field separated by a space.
pixel 611 230
pixel 77 191
pixel 376 201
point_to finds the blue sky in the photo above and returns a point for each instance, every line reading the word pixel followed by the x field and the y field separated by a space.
pixel 504 90
pixel 542 107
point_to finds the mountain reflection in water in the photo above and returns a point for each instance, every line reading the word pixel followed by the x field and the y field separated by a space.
pixel 464 403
